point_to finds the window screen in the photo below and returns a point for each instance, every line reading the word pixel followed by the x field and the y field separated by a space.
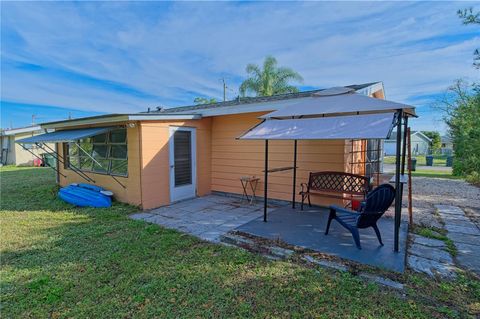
pixel 109 151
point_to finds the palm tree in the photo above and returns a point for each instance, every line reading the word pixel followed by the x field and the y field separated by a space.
pixel 270 80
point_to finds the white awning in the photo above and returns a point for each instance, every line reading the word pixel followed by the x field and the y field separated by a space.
pixel 368 126
pixel 339 101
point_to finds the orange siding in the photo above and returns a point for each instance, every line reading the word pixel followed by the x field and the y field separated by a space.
pixel 132 193
pixel 155 160
pixel 233 158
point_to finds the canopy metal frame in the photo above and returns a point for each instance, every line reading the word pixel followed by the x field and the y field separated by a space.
pixel 400 119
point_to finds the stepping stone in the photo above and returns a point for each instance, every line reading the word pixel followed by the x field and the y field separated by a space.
pixel 470 229
pixel 382 281
pixel 434 254
pixel 325 263
pixel 431 267
pixel 449 210
pixel 464 238
pixel 468 256
pixel 430 242
pixel 464 234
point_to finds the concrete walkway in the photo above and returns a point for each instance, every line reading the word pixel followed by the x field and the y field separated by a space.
pixel 464 234
pixel 206 217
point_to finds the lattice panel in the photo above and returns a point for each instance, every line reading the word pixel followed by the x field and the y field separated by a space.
pixel 339 182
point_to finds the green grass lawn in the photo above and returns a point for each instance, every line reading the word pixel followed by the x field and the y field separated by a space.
pixel 438 160
pixel 61 261
pixel 434 174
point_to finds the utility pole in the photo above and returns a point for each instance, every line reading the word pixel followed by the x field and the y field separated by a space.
pixel 33 119
pixel 224 90
pixel 69 115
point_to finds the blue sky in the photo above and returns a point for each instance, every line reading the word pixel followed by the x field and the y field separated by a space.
pixel 89 58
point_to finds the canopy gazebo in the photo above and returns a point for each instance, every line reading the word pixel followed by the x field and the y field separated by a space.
pixel 336 113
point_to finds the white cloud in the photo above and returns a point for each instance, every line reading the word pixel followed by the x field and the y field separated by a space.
pixel 174 51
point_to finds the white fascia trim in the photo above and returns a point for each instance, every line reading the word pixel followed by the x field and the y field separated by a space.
pixel 85 121
pixel 164 117
pixel 22 130
pixel 121 118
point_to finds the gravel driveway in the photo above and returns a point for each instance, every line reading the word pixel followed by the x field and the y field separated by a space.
pixel 430 191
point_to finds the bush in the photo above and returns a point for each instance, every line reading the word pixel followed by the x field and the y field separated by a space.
pixel 473 178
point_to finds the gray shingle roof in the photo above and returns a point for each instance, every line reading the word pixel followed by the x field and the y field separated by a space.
pixel 249 100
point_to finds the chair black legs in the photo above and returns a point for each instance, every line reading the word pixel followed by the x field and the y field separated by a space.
pixel 377 231
pixel 356 236
pixel 330 217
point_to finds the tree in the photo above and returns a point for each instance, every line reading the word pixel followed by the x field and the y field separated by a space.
pixel 204 100
pixel 470 17
pixel 436 139
pixel 461 105
pixel 270 79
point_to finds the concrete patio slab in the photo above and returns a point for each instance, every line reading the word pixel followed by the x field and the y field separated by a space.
pixel 207 217
pixel 306 229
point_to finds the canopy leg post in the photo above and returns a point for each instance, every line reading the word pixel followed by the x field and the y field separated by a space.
pixel 404 151
pixel 294 173
pixel 398 187
pixel 265 191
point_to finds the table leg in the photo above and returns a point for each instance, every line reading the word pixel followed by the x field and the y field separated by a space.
pixel 244 186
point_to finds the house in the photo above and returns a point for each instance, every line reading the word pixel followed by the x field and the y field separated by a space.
pixel 447 145
pixel 155 158
pixel 420 144
pixel 15 154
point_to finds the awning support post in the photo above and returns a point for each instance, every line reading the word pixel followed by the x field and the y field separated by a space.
pixel 35 155
pixel 93 159
pixel 398 187
pixel 294 173
pixel 62 161
pixel 265 191
pixel 58 157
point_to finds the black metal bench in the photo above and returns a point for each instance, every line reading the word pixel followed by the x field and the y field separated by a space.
pixel 338 185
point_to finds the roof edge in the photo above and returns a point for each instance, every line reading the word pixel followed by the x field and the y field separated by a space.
pixel 20 130
pixel 111 118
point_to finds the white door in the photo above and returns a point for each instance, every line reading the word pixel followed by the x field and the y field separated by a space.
pixel 183 168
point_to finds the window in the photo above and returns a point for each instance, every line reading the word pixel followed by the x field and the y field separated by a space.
pixel 107 153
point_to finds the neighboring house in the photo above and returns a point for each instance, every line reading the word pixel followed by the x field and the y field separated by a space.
pixel 13 153
pixel 152 159
pixel 447 145
pixel 420 144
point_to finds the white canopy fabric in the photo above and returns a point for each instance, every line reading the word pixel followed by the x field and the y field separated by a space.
pixel 368 126
pixel 336 101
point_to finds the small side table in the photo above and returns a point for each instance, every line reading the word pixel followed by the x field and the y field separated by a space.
pixel 253 182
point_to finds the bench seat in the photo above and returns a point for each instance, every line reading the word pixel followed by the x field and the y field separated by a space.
pixel 339 185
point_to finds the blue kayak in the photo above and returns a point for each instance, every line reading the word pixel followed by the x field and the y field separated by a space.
pixel 85 195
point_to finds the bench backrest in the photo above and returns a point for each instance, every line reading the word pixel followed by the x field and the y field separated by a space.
pixel 338 182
